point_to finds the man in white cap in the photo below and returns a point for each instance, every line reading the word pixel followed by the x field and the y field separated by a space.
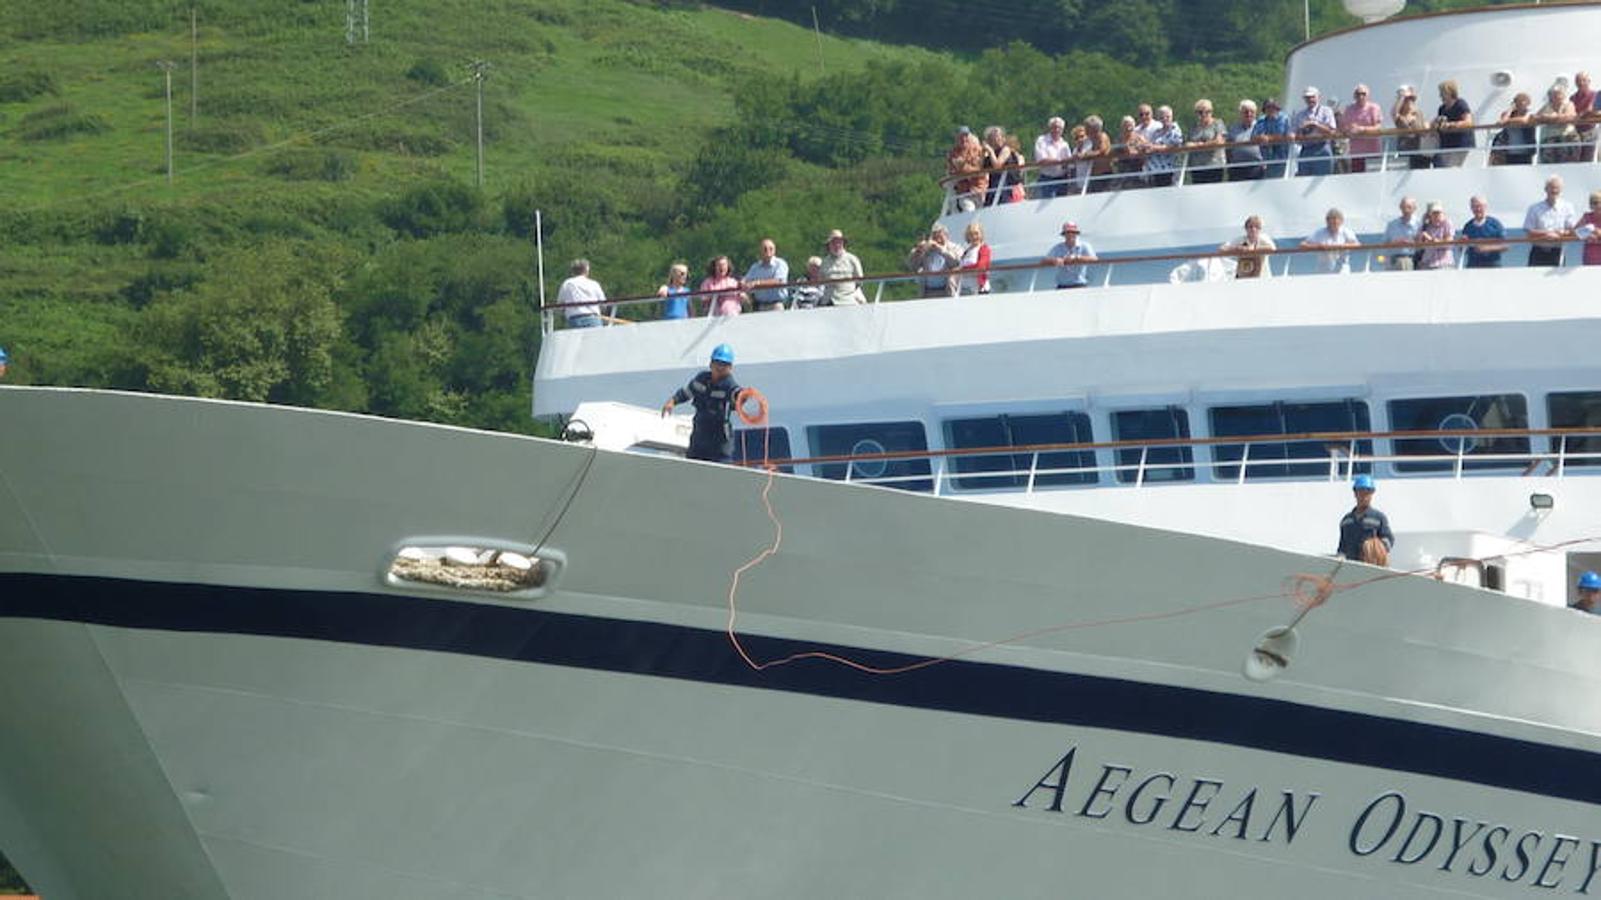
pixel 1312 121
pixel 841 267
pixel 1070 257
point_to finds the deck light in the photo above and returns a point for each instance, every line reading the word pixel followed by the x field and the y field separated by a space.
pixel 1541 502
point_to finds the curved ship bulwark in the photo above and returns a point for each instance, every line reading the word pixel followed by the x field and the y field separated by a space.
pixel 214 690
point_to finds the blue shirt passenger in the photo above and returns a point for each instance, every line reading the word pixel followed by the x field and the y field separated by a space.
pixel 1483 227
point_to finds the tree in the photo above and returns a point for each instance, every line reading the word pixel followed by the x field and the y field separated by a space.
pixel 262 326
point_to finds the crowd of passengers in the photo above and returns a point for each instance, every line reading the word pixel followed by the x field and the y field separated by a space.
pixel 1146 151
pixel 948 268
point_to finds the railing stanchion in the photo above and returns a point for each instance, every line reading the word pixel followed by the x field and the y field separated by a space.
pixel 1033 466
pixel 1139 474
pixel 1350 466
pixel 1562 455
pixel 879 292
pixel 939 476
pixel 1245 457
pixel 1461 448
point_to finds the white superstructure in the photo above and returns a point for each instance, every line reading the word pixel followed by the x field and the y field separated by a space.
pixel 1079 634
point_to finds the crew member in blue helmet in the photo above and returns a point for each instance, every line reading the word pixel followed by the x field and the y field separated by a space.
pixel 1589 599
pixel 715 394
pixel 3 360
pixel 1365 534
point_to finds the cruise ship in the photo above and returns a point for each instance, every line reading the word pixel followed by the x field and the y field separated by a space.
pixel 1027 594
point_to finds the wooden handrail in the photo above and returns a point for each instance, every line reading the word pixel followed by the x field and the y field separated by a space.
pixel 1116 261
pixel 1333 438
pixel 1119 151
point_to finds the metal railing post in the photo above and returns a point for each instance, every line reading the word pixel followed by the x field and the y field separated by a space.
pixel 1562 456
pixel 1245 458
pixel 1139 474
pixel 1033 466
pixel 1350 466
pixel 879 292
pixel 939 476
pixel 1461 448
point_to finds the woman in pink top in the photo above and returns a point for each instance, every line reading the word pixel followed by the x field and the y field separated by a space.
pixel 728 301
pixel 1362 116
pixel 1589 231
pixel 1436 229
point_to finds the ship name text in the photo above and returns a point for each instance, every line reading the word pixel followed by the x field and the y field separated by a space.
pixel 1387 829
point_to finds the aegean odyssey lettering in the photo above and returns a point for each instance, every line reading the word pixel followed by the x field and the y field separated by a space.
pixel 1388 829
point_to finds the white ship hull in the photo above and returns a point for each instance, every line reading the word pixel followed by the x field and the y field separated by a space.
pixel 211 692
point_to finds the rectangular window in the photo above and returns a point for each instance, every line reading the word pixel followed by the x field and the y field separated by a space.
pixel 1459 414
pixel 869 439
pixel 1021 431
pixel 1274 459
pixel 1161 463
pixel 1576 409
pixel 751 443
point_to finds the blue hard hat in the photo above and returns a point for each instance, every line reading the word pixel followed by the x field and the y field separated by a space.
pixel 723 353
pixel 1362 483
pixel 3 357
pixel 1590 581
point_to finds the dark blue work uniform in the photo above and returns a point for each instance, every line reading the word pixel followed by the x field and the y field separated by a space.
pixel 1357 527
pixel 713 436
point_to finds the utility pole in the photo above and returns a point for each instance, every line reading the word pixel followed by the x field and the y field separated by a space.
pixel 351 17
pixel 480 68
pixel 194 67
pixel 166 66
pixel 817 30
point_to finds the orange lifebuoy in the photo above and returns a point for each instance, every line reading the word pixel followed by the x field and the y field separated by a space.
pixel 748 394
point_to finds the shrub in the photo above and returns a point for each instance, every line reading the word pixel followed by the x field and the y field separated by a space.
pixel 58 122
pixel 428 71
pixel 313 164
pixel 228 138
pixel 26 85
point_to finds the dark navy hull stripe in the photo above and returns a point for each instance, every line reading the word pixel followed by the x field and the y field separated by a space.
pixel 700 655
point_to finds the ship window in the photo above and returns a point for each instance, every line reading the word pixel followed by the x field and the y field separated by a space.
pixel 1455 414
pixel 1161 463
pixel 872 438
pixel 1287 419
pixel 1576 409
pixel 1021 431
pixel 749 446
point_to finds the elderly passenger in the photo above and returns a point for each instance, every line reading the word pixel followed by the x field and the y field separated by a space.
pixel 1252 264
pixel 1557 133
pixel 1454 121
pixel 1583 100
pixel 767 277
pixel 1403 229
pixel 975 261
pixel 1161 167
pixel 1313 120
pixel 1271 131
pixel 1206 166
pixel 1130 152
pixel 1052 147
pixel 1407 117
pixel 580 296
pixel 1071 257
pixel 1245 159
pixel 1588 230
pixel 934 258
pixel 967 158
pixel 1550 222
pixel 1003 160
pixel 1361 119
pixel 1436 229
pixel 842 266
pixel 1516 137
pixel 809 293
pixel 1483 227
pixel 1334 234
pixel 1095 153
